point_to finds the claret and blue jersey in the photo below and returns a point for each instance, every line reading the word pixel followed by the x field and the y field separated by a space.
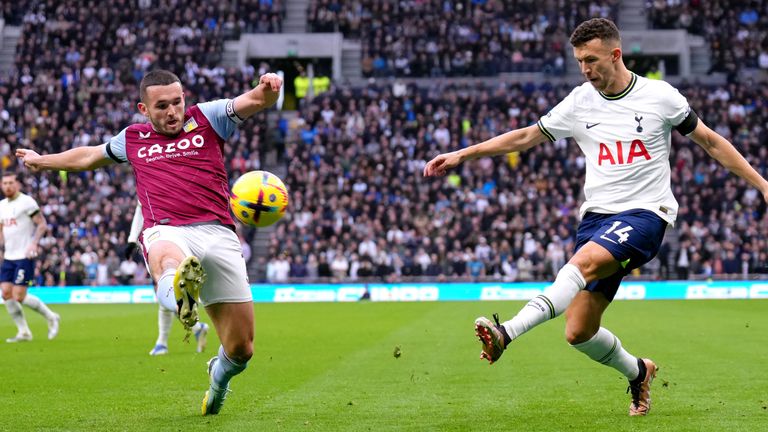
pixel 181 180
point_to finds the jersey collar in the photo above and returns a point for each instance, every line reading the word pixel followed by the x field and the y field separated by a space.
pixel 622 93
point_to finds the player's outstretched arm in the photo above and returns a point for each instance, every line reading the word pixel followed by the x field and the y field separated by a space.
pixel 260 97
pixel 76 159
pixel 512 141
pixel 724 152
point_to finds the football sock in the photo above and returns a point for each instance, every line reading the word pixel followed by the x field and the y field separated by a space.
pixel 165 294
pixel 164 321
pixel 33 302
pixel 551 303
pixel 14 309
pixel 604 347
pixel 225 369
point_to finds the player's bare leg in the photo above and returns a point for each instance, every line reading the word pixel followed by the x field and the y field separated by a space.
pixel 234 325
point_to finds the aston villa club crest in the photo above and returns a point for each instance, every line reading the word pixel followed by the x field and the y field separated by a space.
pixel 190 125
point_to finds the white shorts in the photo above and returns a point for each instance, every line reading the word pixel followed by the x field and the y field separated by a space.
pixel 220 253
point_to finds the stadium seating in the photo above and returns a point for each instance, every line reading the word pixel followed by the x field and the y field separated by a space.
pixel 736 31
pixel 477 38
pixel 357 188
pixel 75 85
pixel 360 207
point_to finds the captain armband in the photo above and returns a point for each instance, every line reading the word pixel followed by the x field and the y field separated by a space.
pixel 689 124
pixel 231 114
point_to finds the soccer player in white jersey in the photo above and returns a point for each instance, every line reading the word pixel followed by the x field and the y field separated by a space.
pixel 22 227
pixel 622 123
pixel 164 315
pixel 189 236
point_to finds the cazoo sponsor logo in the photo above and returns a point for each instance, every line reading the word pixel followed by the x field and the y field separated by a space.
pixel 172 149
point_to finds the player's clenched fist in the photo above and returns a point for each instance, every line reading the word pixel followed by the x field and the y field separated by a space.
pixel 441 164
pixel 271 81
pixel 29 157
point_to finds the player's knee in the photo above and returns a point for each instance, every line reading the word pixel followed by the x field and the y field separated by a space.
pixel 576 335
pixel 242 351
pixel 588 269
pixel 594 262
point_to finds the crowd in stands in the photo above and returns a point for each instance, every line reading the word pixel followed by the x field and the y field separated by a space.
pixel 76 84
pixel 435 38
pixel 361 208
pixel 737 31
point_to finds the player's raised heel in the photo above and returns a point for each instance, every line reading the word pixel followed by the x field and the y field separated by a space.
pixel 493 337
pixel 641 391
pixel 187 283
pixel 214 396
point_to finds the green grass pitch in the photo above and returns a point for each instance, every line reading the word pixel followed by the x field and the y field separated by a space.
pixel 331 367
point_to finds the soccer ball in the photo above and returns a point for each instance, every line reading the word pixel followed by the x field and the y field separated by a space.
pixel 258 198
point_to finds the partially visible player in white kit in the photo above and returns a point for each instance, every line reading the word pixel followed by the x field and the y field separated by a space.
pixel 189 235
pixel 22 227
pixel 623 125
pixel 164 315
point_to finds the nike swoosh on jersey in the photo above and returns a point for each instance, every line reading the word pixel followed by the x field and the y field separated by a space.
pixel 590 126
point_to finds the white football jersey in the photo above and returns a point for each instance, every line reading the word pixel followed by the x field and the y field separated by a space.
pixel 626 140
pixel 18 227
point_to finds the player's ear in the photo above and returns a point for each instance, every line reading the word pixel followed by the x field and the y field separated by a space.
pixel 142 107
pixel 616 54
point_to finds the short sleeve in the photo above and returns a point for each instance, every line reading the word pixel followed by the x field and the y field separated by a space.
pixel 115 148
pixel 222 116
pixel 558 123
pixel 676 108
pixel 31 207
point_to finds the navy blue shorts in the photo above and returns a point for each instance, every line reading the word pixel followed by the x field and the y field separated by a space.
pixel 633 237
pixel 18 272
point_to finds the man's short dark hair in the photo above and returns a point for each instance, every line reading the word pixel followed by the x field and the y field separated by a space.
pixel 156 77
pixel 13 174
pixel 596 28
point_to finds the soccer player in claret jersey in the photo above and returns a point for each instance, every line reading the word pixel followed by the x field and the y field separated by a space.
pixel 189 236
pixel 22 227
pixel 622 123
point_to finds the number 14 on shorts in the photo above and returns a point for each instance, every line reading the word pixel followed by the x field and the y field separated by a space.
pixel 622 233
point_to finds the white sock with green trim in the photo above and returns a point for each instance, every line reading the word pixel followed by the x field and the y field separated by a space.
pixel 549 304
pixel 17 313
pixel 605 348
pixel 33 302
